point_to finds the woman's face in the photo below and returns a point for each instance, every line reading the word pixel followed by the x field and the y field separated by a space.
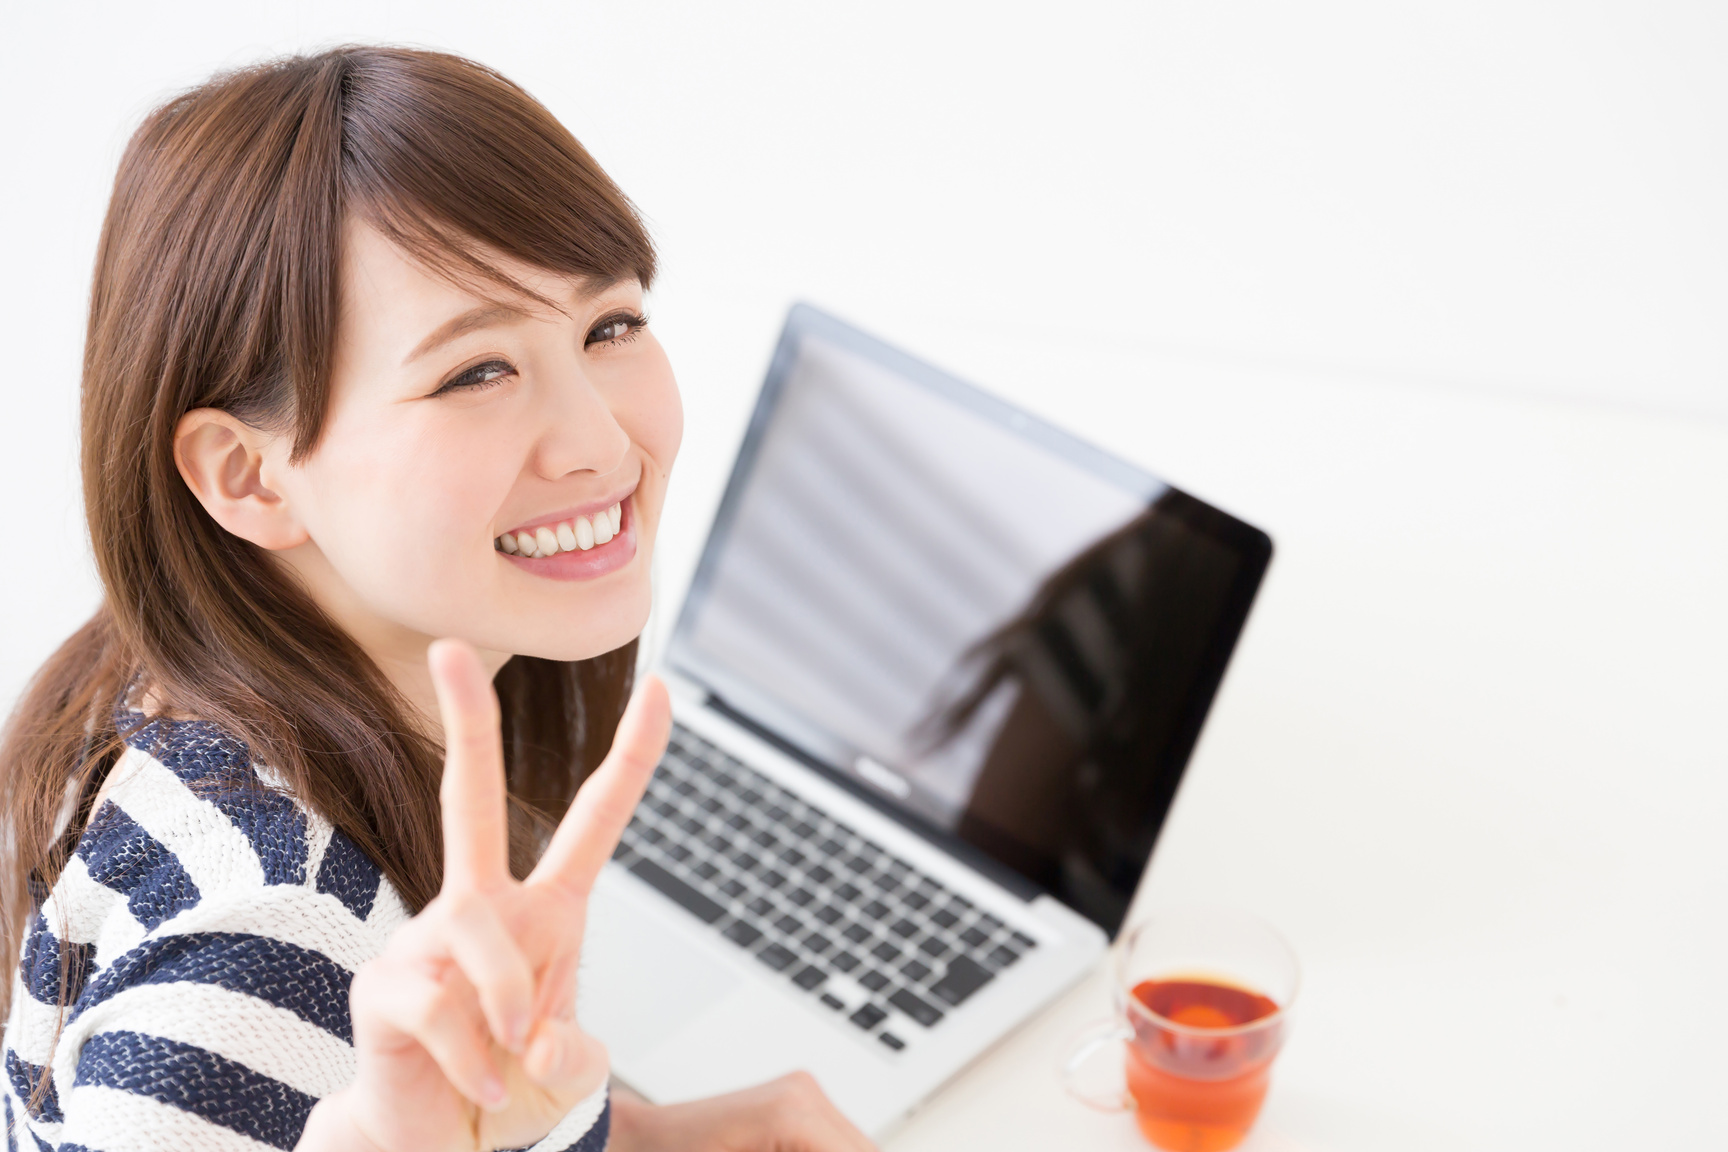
pixel 464 416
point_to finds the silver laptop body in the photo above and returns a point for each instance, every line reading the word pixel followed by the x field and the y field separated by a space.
pixel 935 682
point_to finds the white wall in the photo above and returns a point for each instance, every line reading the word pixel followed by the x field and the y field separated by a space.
pixel 1517 196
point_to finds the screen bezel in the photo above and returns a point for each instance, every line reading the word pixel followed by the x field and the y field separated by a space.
pixel 1252 546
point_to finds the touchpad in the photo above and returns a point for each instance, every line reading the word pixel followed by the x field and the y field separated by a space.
pixel 642 981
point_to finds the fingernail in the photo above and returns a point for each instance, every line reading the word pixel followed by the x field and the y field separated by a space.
pixel 543 1057
pixel 492 1094
pixel 516 1034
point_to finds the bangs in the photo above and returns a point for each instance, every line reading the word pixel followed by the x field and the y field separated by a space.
pixel 447 158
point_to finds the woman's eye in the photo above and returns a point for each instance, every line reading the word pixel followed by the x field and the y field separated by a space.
pixel 479 376
pixel 613 328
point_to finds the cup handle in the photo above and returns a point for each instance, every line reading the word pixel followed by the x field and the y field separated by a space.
pixel 1094 1040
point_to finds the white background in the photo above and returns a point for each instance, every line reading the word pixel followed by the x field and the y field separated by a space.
pixel 1434 293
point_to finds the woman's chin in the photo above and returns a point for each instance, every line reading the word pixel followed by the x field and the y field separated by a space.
pixel 590 639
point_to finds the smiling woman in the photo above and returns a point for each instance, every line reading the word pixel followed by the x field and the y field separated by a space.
pixel 367 366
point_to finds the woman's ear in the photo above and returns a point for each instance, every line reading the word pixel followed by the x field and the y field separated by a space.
pixel 223 461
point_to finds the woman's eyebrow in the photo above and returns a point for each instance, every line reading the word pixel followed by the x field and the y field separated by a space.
pixel 488 314
pixel 481 317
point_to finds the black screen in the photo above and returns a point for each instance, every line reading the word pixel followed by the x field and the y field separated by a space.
pixel 996 630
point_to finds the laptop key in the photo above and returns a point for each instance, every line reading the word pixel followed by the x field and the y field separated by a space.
pixel 820 874
pixel 742 934
pixel 868 1016
pixel 777 957
pixel 845 961
pixel 801 896
pixel 774 879
pixel 833 1001
pixel 847 893
pixel 828 914
pixel 760 906
pixel 1003 956
pixel 678 891
pixel 817 943
pixel 926 1014
pixel 885 951
pixel 856 933
pixel 1023 941
pixel 733 888
pixel 810 977
pixel 873 980
pixel 964 977
pixel 945 917
pixel 915 971
pixel 788 924
pixel 915 900
pixel 891 1040
pixel 974 937
pixel 903 928
pixel 934 948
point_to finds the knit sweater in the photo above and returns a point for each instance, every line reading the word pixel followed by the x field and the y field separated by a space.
pixel 209 925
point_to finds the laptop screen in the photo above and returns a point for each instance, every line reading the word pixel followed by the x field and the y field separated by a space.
pixel 999 632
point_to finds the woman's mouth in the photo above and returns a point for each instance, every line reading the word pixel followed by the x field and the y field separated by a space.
pixel 573 547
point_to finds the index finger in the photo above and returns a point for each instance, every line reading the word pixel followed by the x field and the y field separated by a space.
pixel 604 804
pixel 476 844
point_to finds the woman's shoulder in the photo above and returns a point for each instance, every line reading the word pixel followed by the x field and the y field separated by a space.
pixel 203 935
pixel 193 830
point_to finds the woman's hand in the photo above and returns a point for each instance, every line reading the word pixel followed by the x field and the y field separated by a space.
pixel 786 1115
pixel 465 1028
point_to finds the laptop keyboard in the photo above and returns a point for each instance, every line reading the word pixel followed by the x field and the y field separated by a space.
pixel 838 916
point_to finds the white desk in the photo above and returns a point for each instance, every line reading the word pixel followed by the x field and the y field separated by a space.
pixel 1471 757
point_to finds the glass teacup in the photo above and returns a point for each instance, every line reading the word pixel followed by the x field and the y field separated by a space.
pixel 1203 1002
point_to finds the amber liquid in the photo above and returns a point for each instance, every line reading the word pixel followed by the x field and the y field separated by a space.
pixel 1194 1092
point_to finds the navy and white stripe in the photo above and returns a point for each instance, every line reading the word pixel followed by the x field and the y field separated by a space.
pixel 208 928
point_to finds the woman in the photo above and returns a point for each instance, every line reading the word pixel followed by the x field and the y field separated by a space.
pixel 366 366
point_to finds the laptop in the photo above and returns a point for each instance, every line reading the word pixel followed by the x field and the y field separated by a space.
pixel 935 682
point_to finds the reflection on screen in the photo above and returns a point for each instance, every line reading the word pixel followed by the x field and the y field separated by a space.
pixel 965 620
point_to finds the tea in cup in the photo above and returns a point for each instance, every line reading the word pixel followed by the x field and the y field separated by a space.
pixel 1203 1005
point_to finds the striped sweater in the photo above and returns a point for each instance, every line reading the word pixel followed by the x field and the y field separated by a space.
pixel 210 927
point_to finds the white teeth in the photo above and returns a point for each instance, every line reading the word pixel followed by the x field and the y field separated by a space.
pixel 575 535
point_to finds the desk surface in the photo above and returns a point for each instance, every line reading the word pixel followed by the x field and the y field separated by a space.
pixel 1470 758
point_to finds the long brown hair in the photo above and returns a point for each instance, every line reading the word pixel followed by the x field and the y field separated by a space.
pixel 216 285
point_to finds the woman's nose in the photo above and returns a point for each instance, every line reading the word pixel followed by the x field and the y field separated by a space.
pixel 579 431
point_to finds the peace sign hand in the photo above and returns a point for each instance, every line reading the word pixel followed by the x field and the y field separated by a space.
pixel 465 1028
